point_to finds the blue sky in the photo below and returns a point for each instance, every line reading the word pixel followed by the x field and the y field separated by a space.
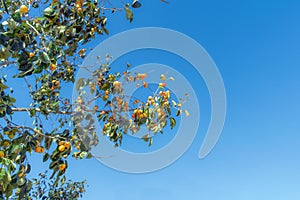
pixel 256 46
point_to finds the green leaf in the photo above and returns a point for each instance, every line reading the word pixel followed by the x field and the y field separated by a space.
pixel 9 191
pixel 2 112
pixel 14 130
pixel 163 77
pixel 169 109
pixel 12 100
pixel 2 173
pixel 151 141
pixel 4 53
pixel 146 137
pixel 53 164
pixel 45 58
pixel 105 30
pixel 54 157
pixel 2 87
pixel 15 147
pixel 32 112
pixel 17 17
pixel 82 154
pixel 38 70
pixel 186 113
pixel 89 155
pixel 46 157
pixel 28 72
pixel 28 168
pixel 80 84
pixel 49 12
pixel 136 4
pixel 48 142
pixel 35 5
pixel 172 122
pixel 54 172
pixel 174 103
pixel 62 181
pixel 129 14
pixel 105 86
pixel 21 182
pixel 9 111
pixel 8 176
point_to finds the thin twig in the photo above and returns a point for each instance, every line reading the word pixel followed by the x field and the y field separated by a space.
pixel 43 44
pixel 40 133
pixel 7 63
pixel 39 110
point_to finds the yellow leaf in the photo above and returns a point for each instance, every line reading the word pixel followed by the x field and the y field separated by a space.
pixel 162 77
pixel 186 113
pixel 174 103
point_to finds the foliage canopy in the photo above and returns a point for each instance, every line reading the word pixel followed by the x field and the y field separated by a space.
pixel 46 49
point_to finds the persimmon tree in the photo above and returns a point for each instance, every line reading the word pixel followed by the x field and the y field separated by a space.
pixel 45 43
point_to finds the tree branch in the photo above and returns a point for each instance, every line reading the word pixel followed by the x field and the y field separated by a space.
pixel 40 133
pixel 4 5
pixel 39 110
pixel 7 63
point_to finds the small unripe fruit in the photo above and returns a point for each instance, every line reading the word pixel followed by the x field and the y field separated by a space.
pixel 62 167
pixel 67 145
pixel 23 9
pixel 162 85
pixel 39 149
pixel 21 175
pixel 116 84
pixel 31 54
pixel 6 143
pixel 55 84
pixel 141 76
pixel 61 148
pixel 145 84
pixel 11 135
pixel 52 67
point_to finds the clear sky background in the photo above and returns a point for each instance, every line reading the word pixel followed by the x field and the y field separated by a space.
pixel 256 46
